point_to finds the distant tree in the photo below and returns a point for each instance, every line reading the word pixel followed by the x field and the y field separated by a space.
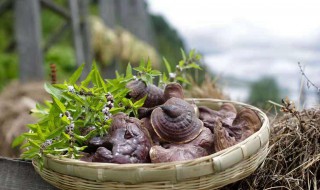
pixel 168 40
pixel 263 90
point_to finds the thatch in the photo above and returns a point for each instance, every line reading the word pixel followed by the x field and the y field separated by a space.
pixel 294 158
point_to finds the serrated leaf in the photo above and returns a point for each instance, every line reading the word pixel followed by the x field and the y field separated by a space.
pixel 76 75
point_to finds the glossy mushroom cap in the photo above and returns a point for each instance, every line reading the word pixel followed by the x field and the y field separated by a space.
pixel 175 121
pixel 139 89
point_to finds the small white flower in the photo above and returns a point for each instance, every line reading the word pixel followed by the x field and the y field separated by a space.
pixel 172 75
pixel 71 89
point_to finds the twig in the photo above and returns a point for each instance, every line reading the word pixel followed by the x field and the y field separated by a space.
pixel 309 82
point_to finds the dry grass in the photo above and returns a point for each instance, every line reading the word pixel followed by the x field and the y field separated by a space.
pixel 294 158
pixel 16 100
pixel 207 89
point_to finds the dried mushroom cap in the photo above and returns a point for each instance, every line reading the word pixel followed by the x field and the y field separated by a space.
pixel 205 140
pixel 222 138
pixel 248 121
pixel 177 152
pixel 226 114
pixel 146 123
pixel 130 142
pixel 175 121
pixel 139 89
pixel 173 90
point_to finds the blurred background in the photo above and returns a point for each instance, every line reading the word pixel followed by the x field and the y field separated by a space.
pixel 251 49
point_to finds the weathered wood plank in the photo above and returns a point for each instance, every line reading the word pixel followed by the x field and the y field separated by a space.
pixel 81 33
pixel 85 34
pixel 56 8
pixel 134 17
pixel 107 12
pixel 17 175
pixel 28 36
pixel 75 24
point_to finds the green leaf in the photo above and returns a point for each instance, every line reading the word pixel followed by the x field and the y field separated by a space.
pixel 167 64
pixel 129 71
pixel 155 72
pixel 56 132
pixel 194 66
pixel 18 141
pixel 52 90
pixel 87 80
pixel 30 154
pixel 76 75
pixel 140 102
pixel 183 80
pixel 34 143
pixel 184 57
pixel 59 104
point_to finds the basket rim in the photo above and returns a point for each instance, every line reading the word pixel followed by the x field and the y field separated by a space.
pixel 262 115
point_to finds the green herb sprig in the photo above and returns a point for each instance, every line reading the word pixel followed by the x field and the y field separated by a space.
pixel 89 104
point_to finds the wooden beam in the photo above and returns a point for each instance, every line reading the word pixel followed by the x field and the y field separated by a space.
pixel 107 12
pixel 55 37
pixel 19 174
pixel 28 36
pixel 56 8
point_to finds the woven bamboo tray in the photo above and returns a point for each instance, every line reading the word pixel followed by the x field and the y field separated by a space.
pixel 209 172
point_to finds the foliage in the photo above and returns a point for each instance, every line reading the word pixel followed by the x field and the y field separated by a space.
pixel 167 39
pixel 91 103
pixel 8 69
pixel 263 90
pixel 180 73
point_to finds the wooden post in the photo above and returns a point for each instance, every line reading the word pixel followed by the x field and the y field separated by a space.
pixel 107 13
pixel 75 24
pixel 28 36
pixel 85 34
pixel 134 17
pixel 81 33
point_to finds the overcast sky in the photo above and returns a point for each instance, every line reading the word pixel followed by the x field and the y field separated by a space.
pixel 249 36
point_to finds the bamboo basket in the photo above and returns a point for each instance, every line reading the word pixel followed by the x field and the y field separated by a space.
pixel 209 172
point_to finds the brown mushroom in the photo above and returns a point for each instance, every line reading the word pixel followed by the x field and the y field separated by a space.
pixel 200 146
pixel 173 90
pixel 175 121
pixel 226 114
pixel 130 143
pixel 222 138
pixel 139 89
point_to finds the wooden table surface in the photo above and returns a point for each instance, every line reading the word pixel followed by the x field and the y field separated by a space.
pixel 18 174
